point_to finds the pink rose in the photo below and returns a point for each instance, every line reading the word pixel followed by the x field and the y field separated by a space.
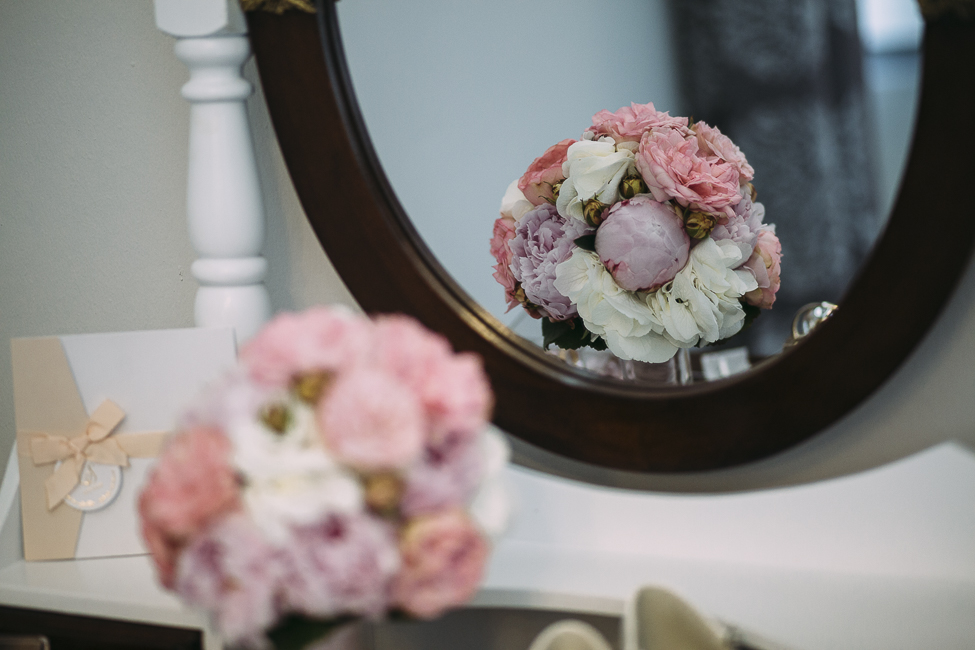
pixel 191 484
pixel 712 142
pixel 371 421
pixel 765 266
pixel 546 171
pixel 317 339
pixel 232 571
pixel 628 124
pixel 642 243
pixel 443 562
pixel 504 232
pixel 674 168
pixel 453 389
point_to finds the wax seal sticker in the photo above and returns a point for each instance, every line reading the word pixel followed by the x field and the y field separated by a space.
pixel 98 486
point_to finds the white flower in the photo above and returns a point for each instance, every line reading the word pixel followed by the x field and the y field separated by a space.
pixel 593 170
pixel 492 504
pixel 514 204
pixel 290 479
pixel 701 305
pixel 622 318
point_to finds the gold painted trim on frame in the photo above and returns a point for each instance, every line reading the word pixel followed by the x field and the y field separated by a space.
pixel 938 8
pixel 277 6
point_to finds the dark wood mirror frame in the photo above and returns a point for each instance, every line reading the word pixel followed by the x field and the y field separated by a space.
pixel 898 294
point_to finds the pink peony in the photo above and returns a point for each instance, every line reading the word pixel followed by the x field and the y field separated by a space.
pixel 314 340
pixel 191 484
pixel 230 570
pixel 765 266
pixel 453 389
pixel 443 561
pixel 673 167
pixel 543 240
pixel 712 142
pixel 642 243
pixel 504 232
pixel 342 565
pixel 371 421
pixel 543 173
pixel 628 124
pixel 446 476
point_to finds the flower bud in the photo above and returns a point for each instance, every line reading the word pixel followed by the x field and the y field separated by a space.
pixel 699 224
pixel 593 212
pixel 310 386
pixel 633 185
pixel 383 492
pixel 276 417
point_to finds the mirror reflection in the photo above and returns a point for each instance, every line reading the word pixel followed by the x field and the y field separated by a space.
pixel 820 96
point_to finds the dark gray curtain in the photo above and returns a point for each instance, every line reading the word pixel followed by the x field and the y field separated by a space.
pixel 783 79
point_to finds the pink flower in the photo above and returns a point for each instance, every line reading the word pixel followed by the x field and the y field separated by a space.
pixel 543 173
pixel 191 484
pixel 230 570
pixel 642 243
pixel 342 565
pixel 765 265
pixel 446 476
pixel 504 232
pixel 453 389
pixel 317 339
pixel 628 124
pixel 712 142
pixel 443 561
pixel 371 421
pixel 674 168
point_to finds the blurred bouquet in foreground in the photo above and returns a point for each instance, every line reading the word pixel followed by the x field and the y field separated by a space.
pixel 644 237
pixel 343 470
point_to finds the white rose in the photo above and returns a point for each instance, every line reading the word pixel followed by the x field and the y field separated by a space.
pixel 514 204
pixel 593 170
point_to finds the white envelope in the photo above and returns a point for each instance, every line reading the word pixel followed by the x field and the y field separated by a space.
pixel 152 376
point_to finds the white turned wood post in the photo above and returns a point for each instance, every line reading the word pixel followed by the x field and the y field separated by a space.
pixel 224 205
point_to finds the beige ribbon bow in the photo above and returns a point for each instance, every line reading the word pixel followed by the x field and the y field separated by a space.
pixel 94 445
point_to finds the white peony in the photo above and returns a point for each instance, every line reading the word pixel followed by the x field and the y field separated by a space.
pixel 699 306
pixel 622 318
pixel 290 479
pixel 593 170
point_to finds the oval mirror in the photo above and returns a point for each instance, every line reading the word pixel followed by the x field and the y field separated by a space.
pixel 546 403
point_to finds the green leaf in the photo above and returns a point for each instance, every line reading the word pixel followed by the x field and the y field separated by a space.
pixel 553 330
pixel 296 632
pixel 586 243
pixel 569 335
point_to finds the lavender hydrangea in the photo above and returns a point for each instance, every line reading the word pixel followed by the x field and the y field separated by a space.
pixel 341 566
pixel 544 239
pixel 743 227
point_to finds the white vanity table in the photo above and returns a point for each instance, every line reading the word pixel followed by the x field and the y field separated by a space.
pixel 884 559
pixel 873 561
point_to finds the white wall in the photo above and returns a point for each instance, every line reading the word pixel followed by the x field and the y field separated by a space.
pixel 92 234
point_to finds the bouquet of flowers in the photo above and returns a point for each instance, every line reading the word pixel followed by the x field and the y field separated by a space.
pixel 343 470
pixel 644 236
